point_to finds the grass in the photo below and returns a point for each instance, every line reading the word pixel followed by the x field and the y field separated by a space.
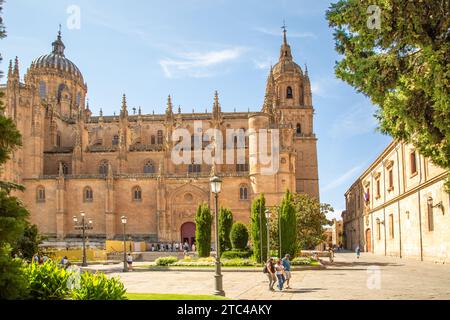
pixel 160 296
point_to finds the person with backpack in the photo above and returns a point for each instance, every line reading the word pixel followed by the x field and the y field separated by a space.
pixel 269 269
pixel 287 269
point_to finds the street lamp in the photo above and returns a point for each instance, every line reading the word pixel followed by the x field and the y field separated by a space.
pixel 83 226
pixel 216 184
pixel 267 220
pixel 125 266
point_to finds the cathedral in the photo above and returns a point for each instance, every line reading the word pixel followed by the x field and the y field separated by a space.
pixel 109 166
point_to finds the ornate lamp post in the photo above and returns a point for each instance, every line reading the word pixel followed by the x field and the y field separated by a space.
pixel 216 184
pixel 125 266
pixel 83 226
pixel 268 236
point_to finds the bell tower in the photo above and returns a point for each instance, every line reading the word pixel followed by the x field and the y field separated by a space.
pixel 289 99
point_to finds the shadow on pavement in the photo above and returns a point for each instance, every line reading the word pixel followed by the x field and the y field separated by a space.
pixel 339 264
pixel 306 290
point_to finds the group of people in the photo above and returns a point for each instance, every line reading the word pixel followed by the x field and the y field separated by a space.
pixel 40 259
pixel 172 247
pixel 278 271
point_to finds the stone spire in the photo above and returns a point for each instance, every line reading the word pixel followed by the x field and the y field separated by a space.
pixel 58 45
pixel 216 111
pixel 169 108
pixel 16 68
pixel 285 52
pixel 124 111
pixel 10 70
pixel 270 97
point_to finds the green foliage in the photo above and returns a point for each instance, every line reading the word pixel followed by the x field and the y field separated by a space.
pixel 13 282
pixel 98 287
pixel 203 220
pixel 258 228
pixel 165 261
pixel 48 281
pixel 239 236
pixel 311 217
pixel 28 244
pixel 403 67
pixel 301 261
pixel 233 254
pixel 225 224
pixel 238 262
pixel 12 218
pixel 288 225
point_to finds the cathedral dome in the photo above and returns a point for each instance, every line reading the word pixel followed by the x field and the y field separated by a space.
pixel 57 60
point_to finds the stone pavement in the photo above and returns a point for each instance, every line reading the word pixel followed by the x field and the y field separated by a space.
pixel 370 277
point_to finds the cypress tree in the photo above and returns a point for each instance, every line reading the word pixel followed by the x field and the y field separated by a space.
pixel 203 220
pixel 225 224
pixel 288 224
pixel 259 229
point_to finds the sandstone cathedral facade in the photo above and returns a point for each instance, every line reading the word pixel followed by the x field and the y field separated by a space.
pixel 110 166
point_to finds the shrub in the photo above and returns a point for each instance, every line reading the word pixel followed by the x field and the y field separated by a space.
pixel 13 281
pixel 238 262
pixel 98 287
pixel 302 261
pixel 239 236
pixel 165 261
pixel 225 224
pixel 233 254
pixel 203 220
pixel 47 281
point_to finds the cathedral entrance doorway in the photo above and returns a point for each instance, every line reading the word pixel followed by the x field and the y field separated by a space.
pixel 188 233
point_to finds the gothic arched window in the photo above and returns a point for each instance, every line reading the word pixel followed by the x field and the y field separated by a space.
pixel 149 167
pixel 289 93
pixel 160 137
pixel 103 167
pixel 61 88
pixel 136 194
pixel 58 139
pixel 65 168
pixel 78 98
pixel 243 192
pixel 42 89
pixel 115 140
pixel 88 194
pixel 40 194
pixel 153 140
pixel 299 129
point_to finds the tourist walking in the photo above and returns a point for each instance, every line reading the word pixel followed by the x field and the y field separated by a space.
pixel 287 269
pixel 193 247
pixel 130 261
pixel 36 258
pixel 65 262
pixel 358 252
pixel 279 269
pixel 269 269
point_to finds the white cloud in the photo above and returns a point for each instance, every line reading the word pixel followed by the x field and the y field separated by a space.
pixel 198 64
pixel 358 119
pixel 347 176
pixel 277 32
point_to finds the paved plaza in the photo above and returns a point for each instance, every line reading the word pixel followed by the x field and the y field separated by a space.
pixel 370 277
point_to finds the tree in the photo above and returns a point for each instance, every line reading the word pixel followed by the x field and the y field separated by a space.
pixel 288 225
pixel 397 53
pixel 311 217
pixel 28 244
pixel 239 236
pixel 225 224
pixel 203 220
pixel 13 215
pixel 258 228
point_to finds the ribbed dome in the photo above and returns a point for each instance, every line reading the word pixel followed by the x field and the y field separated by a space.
pixel 286 65
pixel 57 60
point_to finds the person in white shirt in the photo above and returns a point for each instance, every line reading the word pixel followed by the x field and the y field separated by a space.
pixel 130 261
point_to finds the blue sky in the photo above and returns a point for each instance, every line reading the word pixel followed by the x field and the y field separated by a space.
pixel 189 48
